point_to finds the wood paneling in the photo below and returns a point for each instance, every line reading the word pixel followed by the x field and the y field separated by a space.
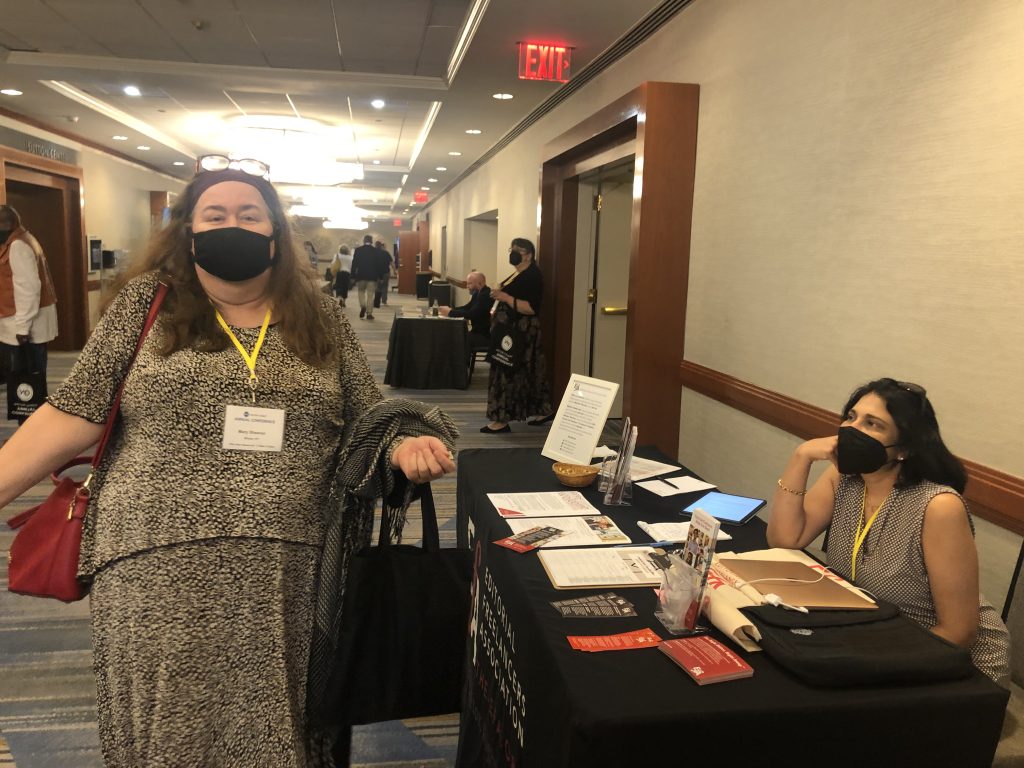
pixel 994 495
pixel 408 245
pixel 657 124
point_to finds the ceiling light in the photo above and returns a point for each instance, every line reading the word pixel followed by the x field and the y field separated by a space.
pixel 119 138
pixel 132 90
pixel 440 168
pixel 455 154
pixel 502 96
pixel 425 189
pixel 11 92
pixel 433 180
pixel 378 103
pixel 376 162
pixel 178 162
pixel 143 147
pixel 473 131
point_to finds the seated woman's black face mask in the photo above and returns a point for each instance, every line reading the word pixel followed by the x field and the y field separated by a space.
pixel 232 253
pixel 859 453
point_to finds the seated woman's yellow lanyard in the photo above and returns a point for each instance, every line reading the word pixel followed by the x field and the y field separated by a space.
pixel 862 530
pixel 250 359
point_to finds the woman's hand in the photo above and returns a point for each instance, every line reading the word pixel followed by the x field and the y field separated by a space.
pixel 820 449
pixel 422 459
pixel 502 297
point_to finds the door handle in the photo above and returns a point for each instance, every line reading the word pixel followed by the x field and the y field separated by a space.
pixel 614 310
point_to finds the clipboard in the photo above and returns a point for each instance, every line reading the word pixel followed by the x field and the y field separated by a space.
pixel 822 594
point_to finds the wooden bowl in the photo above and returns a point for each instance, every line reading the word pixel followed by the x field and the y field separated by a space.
pixel 575 475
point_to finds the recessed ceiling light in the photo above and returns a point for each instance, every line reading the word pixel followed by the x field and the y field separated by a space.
pixel 119 138
pixel 440 168
pixel 455 154
pixel 143 147
pixel 425 189
pixel 11 92
pixel 378 103
pixel 473 131
pixel 376 162
pixel 431 179
pixel 502 96
pixel 132 90
pixel 178 162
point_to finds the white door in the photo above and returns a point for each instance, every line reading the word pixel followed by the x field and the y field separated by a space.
pixel 611 278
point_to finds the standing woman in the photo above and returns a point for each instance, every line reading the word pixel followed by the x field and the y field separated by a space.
pixel 898 525
pixel 515 394
pixel 203 558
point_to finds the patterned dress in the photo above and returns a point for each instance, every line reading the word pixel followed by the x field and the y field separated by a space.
pixel 203 559
pixel 515 394
pixel 891 564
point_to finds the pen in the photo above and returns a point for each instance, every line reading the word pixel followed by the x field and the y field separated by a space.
pixel 666 482
pixel 650 544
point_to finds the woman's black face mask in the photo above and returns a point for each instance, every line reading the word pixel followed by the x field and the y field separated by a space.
pixel 232 253
pixel 859 453
pixel 515 258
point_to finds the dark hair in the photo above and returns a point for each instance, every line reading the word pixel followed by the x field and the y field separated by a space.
pixel 367 239
pixel 926 456
pixel 8 212
pixel 526 245
pixel 188 315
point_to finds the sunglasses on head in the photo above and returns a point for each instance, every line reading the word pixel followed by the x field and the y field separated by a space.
pixel 222 163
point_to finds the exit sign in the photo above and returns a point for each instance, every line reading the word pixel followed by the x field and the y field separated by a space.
pixel 419 197
pixel 396 223
pixel 544 61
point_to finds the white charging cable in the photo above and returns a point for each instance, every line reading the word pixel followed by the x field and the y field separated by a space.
pixel 772 599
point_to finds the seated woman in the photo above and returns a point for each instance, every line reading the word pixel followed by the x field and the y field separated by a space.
pixel 898 526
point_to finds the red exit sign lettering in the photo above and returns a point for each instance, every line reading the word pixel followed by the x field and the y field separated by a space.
pixel 543 61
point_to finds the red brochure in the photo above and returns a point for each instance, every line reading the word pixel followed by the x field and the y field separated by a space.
pixel 706 660
pixel 640 638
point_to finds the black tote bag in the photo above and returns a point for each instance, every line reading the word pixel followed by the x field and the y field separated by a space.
pixel 404 622
pixel 507 341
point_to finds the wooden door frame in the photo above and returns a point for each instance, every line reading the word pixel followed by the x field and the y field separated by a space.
pixel 78 310
pixel 657 123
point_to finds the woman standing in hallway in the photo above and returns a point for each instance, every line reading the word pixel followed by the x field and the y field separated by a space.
pixel 341 269
pixel 203 558
pixel 898 525
pixel 516 393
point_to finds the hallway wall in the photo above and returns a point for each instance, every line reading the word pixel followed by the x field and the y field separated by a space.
pixel 856 214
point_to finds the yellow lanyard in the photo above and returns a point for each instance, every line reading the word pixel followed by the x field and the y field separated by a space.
pixel 862 530
pixel 250 359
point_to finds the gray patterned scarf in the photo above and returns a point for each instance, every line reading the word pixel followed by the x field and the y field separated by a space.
pixel 363 476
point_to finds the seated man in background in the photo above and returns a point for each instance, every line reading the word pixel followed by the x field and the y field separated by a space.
pixel 477 311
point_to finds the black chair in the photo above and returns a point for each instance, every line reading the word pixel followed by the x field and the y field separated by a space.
pixel 478 348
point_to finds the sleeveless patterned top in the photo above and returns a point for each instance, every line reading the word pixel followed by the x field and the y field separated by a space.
pixel 891 563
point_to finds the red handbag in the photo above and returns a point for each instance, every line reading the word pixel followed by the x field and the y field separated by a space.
pixel 43 559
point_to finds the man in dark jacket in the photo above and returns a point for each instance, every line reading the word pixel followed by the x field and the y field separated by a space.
pixel 477 310
pixel 384 274
pixel 366 273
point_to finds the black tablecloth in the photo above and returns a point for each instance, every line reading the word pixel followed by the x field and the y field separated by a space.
pixel 530 700
pixel 428 353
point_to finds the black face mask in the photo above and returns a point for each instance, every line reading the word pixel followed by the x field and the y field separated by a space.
pixel 232 253
pixel 859 453
pixel 515 258
pixel 4 234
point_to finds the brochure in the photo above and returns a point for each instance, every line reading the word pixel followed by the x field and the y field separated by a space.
pixel 530 538
pixel 603 606
pixel 706 660
pixel 672 531
pixel 627 641
pixel 585 531
pixel 547 504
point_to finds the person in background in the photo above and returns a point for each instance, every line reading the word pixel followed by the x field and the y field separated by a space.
pixel 203 559
pixel 477 310
pixel 384 266
pixel 311 255
pixel 514 394
pixel 28 304
pixel 366 273
pixel 898 525
pixel 341 271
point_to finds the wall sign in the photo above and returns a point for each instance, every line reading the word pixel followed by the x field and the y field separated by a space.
pixel 419 196
pixel 545 61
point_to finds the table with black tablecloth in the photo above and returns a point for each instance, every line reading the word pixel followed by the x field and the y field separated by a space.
pixel 530 700
pixel 428 353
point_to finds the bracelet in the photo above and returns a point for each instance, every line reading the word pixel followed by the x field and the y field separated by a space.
pixel 790 490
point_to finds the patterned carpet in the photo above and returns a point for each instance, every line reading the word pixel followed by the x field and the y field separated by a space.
pixel 47 694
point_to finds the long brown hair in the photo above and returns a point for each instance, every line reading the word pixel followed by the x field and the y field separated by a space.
pixel 188 315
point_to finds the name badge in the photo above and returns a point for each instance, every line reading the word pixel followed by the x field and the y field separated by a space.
pixel 253 429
